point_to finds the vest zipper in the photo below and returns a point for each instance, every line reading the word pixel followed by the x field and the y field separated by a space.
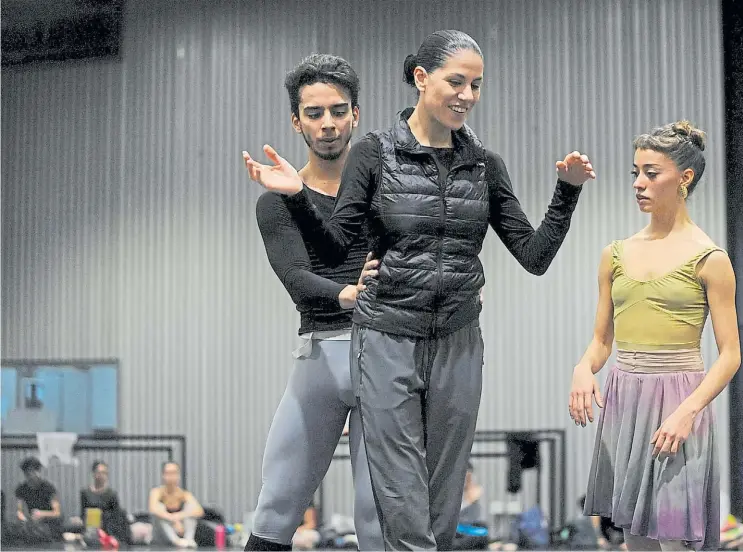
pixel 442 182
pixel 440 259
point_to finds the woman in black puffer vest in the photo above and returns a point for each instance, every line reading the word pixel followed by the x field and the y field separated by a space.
pixel 428 190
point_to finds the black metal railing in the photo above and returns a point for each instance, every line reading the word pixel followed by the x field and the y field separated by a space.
pixel 543 486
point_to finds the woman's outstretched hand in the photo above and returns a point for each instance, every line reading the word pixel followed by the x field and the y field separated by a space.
pixel 575 169
pixel 280 177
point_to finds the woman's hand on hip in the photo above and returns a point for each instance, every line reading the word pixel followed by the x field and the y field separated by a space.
pixel 370 270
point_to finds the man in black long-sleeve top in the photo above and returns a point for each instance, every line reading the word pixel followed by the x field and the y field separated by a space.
pixel 323 92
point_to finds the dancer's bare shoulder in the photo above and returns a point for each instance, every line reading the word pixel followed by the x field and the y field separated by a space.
pixel 642 235
pixel 700 238
pixel 691 239
pixel 647 256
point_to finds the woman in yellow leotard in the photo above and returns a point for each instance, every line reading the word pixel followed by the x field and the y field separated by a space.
pixel 655 469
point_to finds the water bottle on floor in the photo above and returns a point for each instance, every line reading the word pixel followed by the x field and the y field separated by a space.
pixel 219 537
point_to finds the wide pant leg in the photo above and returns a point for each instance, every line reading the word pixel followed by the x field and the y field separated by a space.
pixel 418 400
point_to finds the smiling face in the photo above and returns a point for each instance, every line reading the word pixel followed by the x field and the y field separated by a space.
pixel 658 181
pixel 326 119
pixel 449 92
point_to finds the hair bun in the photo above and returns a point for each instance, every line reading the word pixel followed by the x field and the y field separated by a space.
pixel 694 135
pixel 411 62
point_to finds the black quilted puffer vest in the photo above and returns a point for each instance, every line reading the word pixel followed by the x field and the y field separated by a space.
pixel 429 232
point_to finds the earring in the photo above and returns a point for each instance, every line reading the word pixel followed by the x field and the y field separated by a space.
pixel 683 191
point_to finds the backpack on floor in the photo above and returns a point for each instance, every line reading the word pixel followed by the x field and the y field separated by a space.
pixel 530 530
pixel 206 527
pixel 577 535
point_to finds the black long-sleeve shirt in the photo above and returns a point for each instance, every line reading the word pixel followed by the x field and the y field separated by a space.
pixel 312 285
pixel 105 500
pixel 331 236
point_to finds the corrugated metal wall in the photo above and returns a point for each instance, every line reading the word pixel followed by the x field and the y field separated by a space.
pixel 128 221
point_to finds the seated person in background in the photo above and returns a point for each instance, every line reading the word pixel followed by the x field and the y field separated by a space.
pixel 306 536
pixel 101 500
pixel 174 511
pixel 39 513
pixel 608 535
pixel 471 510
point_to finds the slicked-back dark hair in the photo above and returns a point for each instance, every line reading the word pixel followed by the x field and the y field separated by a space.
pixel 435 50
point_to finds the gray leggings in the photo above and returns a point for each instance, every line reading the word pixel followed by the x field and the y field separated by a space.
pixel 300 446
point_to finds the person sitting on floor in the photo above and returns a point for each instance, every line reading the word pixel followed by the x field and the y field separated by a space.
pixel 39 514
pixel 174 510
pixel 99 506
pixel 608 535
pixel 307 536
pixel 471 509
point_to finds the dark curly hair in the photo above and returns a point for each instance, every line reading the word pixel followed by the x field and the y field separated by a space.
pixel 323 68
pixel 30 464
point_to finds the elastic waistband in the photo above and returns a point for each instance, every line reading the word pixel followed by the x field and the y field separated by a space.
pixel 328 335
pixel 653 362
pixel 305 347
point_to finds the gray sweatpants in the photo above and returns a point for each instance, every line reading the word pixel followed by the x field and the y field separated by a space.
pixel 301 442
pixel 418 400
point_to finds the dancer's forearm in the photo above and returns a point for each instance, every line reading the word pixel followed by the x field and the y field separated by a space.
pixel 596 355
pixel 718 377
